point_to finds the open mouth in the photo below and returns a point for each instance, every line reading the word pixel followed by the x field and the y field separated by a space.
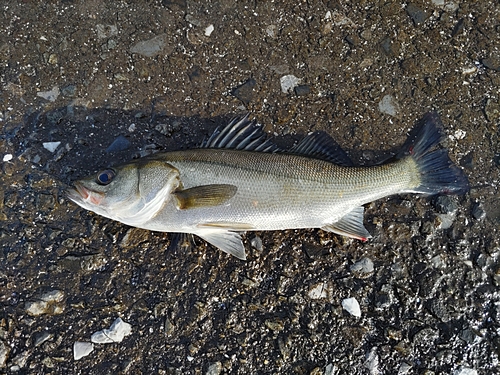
pixel 81 194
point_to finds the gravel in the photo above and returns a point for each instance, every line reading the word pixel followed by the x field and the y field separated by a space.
pixel 81 73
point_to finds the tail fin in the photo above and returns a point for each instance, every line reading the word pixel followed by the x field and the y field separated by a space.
pixel 438 174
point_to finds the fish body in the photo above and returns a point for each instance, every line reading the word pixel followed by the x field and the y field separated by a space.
pixel 238 181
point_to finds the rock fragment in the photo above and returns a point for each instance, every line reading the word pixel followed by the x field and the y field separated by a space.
pixel 288 83
pixel 50 303
pixel 389 106
pixel 465 371
pixel 116 333
pixel 362 267
pixel 417 14
pixel 51 146
pixel 351 305
pixel 82 349
pixel 214 369
pixel 208 30
pixel 245 91
pixel 50 95
pixel 4 353
pixel 150 47
pixel 318 291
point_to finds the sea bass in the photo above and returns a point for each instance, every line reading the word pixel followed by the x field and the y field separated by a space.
pixel 239 181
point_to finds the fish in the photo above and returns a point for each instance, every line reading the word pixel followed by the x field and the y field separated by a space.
pixel 238 180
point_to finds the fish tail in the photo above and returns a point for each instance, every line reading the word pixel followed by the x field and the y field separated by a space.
pixel 436 173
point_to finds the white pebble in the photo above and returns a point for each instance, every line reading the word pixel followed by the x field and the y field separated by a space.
pixel 7 157
pixel 318 291
pixel 82 349
pixel 351 305
pixel 288 83
pixel 118 330
pixel 51 146
pixel 51 95
pixel 389 106
pixel 363 266
pixel 209 29
pixel 465 371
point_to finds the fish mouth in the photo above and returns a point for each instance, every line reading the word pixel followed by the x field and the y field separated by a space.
pixel 79 193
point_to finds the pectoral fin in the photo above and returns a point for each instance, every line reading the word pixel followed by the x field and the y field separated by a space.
pixel 204 196
pixel 227 241
pixel 350 225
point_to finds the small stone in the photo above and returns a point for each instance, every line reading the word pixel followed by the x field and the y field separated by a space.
pixel 116 333
pixel 331 369
pixel 214 369
pixel 51 146
pixel 41 337
pixel 478 212
pixel 445 221
pixel 351 305
pixel 209 30
pixel 389 106
pixel 150 47
pixel 245 91
pixel 47 303
pixel 4 354
pixel 288 83
pixel 372 362
pixel 492 63
pixel 256 243
pixel 82 349
pixel 465 371
pixel 362 267
pixel 492 109
pixel 446 204
pixel 417 15
pixel 51 95
pixel 53 59
pixel 302 90
pixel 69 91
pixel 404 368
pixel 7 157
pixel 318 291
pixel 274 325
pixel 119 144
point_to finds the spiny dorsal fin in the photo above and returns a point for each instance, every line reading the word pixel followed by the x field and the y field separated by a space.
pixel 204 196
pixel 240 134
pixel 320 145
pixel 350 225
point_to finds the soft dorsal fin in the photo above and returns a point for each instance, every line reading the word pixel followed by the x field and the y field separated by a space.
pixel 350 225
pixel 320 145
pixel 240 134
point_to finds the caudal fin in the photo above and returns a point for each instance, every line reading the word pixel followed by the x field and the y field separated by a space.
pixel 438 174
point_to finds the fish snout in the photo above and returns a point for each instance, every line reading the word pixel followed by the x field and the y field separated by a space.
pixel 80 194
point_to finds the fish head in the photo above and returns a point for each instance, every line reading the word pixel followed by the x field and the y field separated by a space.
pixel 131 193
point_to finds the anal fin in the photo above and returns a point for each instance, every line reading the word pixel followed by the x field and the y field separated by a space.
pixel 227 241
pixel 350 225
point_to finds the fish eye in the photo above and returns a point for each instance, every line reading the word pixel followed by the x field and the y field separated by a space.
pixel 105 177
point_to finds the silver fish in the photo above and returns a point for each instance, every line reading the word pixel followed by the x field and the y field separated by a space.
pixel 239 181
